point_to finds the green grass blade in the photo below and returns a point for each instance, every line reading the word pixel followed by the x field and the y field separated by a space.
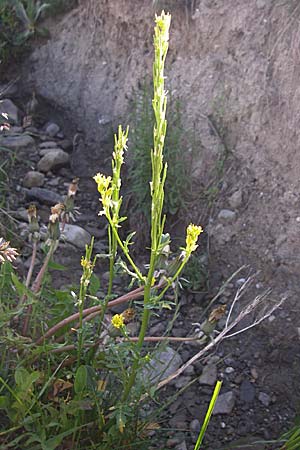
pixel 208 415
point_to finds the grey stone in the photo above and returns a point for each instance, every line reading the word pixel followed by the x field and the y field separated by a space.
pixel 48 144
pixel 52 129
pixel 45 151
pixel 182 381
pixel 43 195
pixel 226 215
pixel 53 159
pixel 224 404
pixel 247 392
pixel 163 364
pixel 236 199
pixel 33 179
pixel 209 375
pixel 264 398
pixel 181 446
pixel 9 108
pixel 17 142
pixel 76 235
pixel 195 426
pixel 54 182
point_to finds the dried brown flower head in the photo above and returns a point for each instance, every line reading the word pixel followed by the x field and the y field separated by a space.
pixel 56 211
pixel 73 187
pixel 7 253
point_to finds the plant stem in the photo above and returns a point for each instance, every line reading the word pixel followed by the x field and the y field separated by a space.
pixel 37 284
pixel 137 293
pixel 125 251
pixel 159 173
pixel 84 282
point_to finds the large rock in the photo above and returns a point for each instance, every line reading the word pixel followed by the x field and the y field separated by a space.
pixel 76 235
pixel 44 196
pixel 52 160
pixel 9 108
pixel 163 364
pixel 33 179
pixel 24 141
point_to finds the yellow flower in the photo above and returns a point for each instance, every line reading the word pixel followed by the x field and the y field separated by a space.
pixel 192 234
pixel 105 189
pixel 117 321
pixel 103 183
pixel 163 23
pixel 85 263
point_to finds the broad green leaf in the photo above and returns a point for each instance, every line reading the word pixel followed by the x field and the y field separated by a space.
pixel 85 379
pixel 56 266
pixel 21 376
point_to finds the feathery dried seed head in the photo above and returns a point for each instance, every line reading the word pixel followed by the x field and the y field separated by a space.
pixel 7 253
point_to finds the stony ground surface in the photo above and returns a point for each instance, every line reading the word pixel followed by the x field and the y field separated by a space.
pixel 260 393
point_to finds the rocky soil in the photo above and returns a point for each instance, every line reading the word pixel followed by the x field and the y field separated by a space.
pixel 260 393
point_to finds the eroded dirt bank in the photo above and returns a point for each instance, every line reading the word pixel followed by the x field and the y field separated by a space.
pixel 234 60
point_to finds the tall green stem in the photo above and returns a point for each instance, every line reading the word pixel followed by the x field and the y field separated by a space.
pixel 87 266
pixel 159 172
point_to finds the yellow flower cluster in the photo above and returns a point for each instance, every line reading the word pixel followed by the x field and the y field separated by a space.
pixel 85 263
pixel 105 189
pixel 120 145
pixel 192 234
pixel 117 321
pixel 163 23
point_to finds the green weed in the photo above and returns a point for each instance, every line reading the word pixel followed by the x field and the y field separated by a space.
pixel 178 182
pixel 65 380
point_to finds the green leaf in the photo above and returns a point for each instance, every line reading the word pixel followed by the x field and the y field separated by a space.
pixel 85 379
pixel 208 415
pixel 94 285
pixel 4 402
pixel 56 266
pixel 21 376
pixel 20 287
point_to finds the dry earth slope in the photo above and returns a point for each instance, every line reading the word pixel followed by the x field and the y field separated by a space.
pixel 237 60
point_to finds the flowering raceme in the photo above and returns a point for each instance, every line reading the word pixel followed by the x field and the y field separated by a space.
pixel 192 233
pixel 105 190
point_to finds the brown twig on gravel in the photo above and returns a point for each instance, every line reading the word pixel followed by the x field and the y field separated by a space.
pixel 67 348
pixel 228 327
pixel 137 293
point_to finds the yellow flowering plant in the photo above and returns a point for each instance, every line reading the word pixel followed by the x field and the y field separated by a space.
pixel 109 189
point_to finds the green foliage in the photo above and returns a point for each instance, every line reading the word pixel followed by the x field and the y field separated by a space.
pixel 20 20
pixel 178 182
pixel 65 381
pixel 60 6
pixel 195 273
pixel 291 438
pixel 208 414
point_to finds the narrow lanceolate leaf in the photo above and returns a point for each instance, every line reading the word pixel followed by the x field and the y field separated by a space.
pixel 208 415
